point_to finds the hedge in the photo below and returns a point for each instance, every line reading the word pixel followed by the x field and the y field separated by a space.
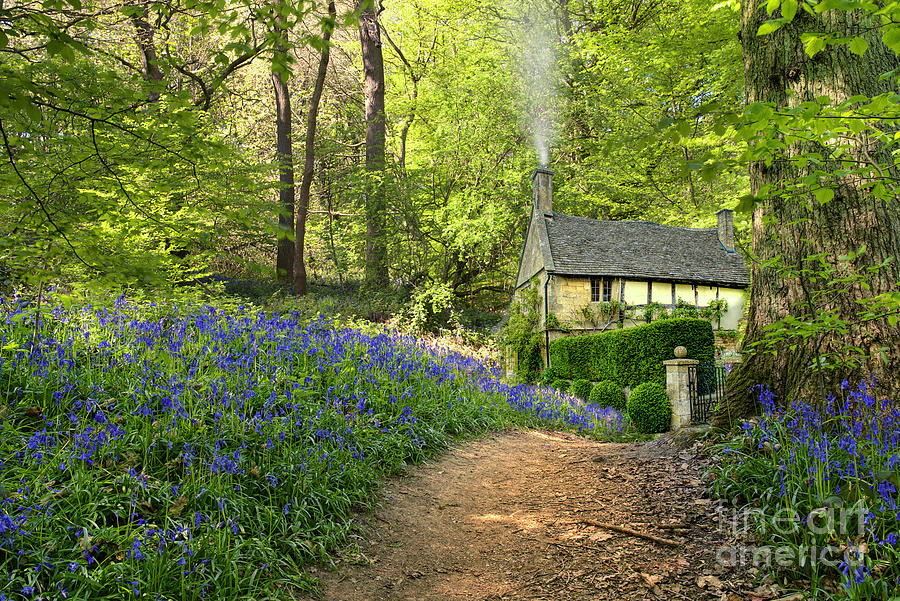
pixel 632 356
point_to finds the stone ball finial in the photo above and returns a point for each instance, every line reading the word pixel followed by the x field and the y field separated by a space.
pixel 680 352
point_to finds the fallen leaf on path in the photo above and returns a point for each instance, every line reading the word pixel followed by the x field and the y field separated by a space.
pixel 709 582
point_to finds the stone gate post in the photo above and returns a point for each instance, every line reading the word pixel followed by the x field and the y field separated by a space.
pixel 677 387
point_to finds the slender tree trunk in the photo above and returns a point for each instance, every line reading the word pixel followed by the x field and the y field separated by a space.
pixel 310 158
pixel 284 263
pixel 777 70
pixel 373 88
pixel 143 37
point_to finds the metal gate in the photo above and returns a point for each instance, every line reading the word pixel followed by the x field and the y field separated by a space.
pixel 706 387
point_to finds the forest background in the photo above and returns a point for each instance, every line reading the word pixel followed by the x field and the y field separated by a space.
pixel 140 137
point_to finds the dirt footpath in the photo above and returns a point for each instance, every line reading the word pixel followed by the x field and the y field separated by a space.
pixel 523 515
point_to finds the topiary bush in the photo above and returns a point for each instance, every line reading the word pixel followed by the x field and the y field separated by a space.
pixel 560 384
pixel 581 388
pixel 649 408
pixel 608 394
pixel 632 356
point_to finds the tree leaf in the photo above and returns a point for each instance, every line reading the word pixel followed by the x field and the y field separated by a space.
pixel 769 27
pixel 789 9
pixel 858 46
pixel 823 195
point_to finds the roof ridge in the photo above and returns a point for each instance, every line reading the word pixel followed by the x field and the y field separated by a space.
pixel 680 227
pixel 642 249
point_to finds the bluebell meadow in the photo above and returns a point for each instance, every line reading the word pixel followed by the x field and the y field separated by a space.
pixel 195 452
pixel 836 466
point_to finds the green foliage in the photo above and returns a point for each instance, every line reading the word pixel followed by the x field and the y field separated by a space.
pixel 616 166
pixel 715 310
pixel 433 308
pixel 580 388
pixel 608 394
pixel 547 377
pixel 685 309
pixel 632 356
pixel 560 385
pixel 653 311
pixel 553 322
pixel 521 336
pixel 600 314
pixel 649 408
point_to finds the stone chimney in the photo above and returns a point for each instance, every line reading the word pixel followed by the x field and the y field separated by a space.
pixel 726 229
pixel 542 196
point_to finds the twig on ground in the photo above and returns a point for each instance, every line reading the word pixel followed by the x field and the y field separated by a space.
pixel 623 530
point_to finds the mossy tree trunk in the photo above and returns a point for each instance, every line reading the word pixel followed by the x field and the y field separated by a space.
pixel 778 70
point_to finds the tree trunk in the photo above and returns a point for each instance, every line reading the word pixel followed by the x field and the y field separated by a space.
pixel 284 263
pixel 777 70
pixel 373 88
pixel 310 158
pixel 143 37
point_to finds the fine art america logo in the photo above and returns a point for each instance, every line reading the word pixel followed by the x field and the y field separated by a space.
pixel 833 537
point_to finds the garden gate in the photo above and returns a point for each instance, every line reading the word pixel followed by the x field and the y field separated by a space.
pixel 706 387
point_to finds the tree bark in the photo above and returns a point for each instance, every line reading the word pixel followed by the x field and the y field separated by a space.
pixel 143 37
pixel 373 89
pixel 310 153
pixel 777 70
pixel 284 263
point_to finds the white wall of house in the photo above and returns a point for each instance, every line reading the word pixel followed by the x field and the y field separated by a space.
pixel 736 298
pixel 567 296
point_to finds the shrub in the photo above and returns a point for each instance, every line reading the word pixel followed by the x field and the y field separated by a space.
pixel 547 377
pixel 608 394
pixel 521 335
pixel 685 309
pixel 649 408
pixel 432 308
pixel 632 356
pixel 580 388
pixel 560 384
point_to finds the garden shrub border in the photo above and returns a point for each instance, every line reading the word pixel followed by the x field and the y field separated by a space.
pixel 632 356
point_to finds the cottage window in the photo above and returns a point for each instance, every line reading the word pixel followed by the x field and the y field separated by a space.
pixel 601 289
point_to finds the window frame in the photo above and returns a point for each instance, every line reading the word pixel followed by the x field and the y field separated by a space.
pixel 596 289
pixel 601 290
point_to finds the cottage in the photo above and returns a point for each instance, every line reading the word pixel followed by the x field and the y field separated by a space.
pixel 590 274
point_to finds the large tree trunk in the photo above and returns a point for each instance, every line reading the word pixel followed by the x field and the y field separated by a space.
pixel 284 263
pixel 310 158
pixel 373 88
pixel 777 70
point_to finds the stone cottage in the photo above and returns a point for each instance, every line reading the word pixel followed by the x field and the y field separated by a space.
pixel 591 274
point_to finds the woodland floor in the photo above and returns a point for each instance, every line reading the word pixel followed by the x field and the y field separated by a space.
pixel 508 517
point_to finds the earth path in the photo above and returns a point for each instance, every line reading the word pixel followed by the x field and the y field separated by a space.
pixel 508 517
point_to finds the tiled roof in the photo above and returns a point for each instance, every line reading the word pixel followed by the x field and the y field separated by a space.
pixel 641 249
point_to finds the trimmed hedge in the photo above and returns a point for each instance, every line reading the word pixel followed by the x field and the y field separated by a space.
pixel 560 385
pixel 632 356
pixel 608 394
pixel 581 388
pixel 649 408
